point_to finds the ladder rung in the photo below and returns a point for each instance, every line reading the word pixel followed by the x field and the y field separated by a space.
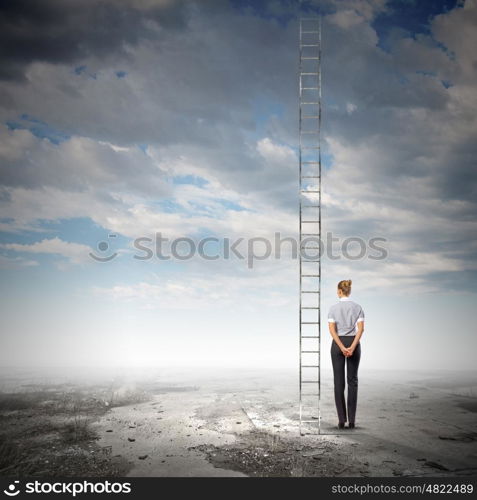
pixel 309 191
pixel 310 32
pixel 309 58
pixel 310 162
pixel 310 352
pixel 311 234
pixel 311 102
pixel 310 394
pixel 310 275
pixel 311 248
pixel 309 307
pixel 309 45
pixel 309 74
pixel 310 176
pixel 310 206
pixel 308 291
pixel 310 421
pixel 312 221
pixel 310 366
pixel 309 132
pixel 310 116
pixel 310 381
pixel 310 336
pixel 311 260
pixel 310 88
pixel 310 147
pixel 310 322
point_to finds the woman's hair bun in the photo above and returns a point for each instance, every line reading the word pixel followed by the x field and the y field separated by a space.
pixel 345 286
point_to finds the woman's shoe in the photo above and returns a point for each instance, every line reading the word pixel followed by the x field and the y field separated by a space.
pixel 341 425
pixel 351 425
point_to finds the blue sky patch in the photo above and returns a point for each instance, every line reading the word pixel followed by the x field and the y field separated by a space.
pixel 195 180
pixel 81 70
pixel 278 10
pixel 38 128
pixel 410 17
pixel 230 205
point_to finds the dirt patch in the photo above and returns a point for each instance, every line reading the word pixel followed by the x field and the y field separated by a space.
pixel 156 387
pixel 47 432
pixel 260 454
pixel 468 404
pixel 463 437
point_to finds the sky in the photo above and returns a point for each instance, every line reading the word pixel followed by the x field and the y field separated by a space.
pixel 127 119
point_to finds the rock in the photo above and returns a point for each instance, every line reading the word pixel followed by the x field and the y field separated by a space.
pixel 435 465
pixel 143 457
pixel 312 453
pixel 131 440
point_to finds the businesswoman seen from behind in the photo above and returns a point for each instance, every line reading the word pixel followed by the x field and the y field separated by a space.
pixel 346 324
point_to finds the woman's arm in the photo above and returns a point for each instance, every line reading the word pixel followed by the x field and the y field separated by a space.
pixel 357 336
pixel 336 337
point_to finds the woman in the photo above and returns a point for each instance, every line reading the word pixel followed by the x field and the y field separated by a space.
pixel 346 324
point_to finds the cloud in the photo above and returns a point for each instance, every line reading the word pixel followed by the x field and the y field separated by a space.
pixel 276 153
pixel 15 262
pixel 199 292
pixel 69 31
pixel 350 107
pixel 76 164
pixel 75 253
pixel 346 18
pixel 209 97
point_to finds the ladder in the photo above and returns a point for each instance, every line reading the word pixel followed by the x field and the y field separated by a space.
pixel 310 222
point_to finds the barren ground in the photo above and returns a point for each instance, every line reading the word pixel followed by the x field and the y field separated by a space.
pixel 243 424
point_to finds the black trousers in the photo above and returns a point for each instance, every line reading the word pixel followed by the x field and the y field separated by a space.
pixel 352 363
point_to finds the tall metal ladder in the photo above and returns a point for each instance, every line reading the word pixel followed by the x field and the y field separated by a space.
pixel 310 222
